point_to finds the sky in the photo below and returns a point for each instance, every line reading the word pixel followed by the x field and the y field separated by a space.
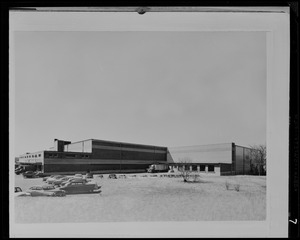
pixel 158 88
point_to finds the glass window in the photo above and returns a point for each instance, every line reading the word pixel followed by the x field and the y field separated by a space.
pixel 211 168
pixel 39 155
pixel 202 168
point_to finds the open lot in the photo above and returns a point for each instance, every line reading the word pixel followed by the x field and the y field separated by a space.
pixel 149 198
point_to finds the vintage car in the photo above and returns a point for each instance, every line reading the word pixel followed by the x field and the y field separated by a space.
pixel 78 175
pixel 113 176
pixel 61 180
pixel 50 180
pixel 46 190
pixel 46 177
pixel 39 174
pixel 29 174
pixel 19 170
pixel 79 187
pixel 89 175
pixel 75 179
pixel 19 192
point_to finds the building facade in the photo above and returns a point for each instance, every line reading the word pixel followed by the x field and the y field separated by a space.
pixel 101 156
pixel 95 156
pixel 218 159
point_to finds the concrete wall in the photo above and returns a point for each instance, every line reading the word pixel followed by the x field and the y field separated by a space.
pixel 213 153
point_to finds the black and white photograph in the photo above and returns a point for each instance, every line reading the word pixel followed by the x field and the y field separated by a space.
pixel 155 118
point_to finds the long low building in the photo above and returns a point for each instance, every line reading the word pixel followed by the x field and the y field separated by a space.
pixel 95 156
pixel 220 159
pixel 101 156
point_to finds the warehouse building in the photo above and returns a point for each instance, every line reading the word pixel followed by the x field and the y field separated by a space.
pixel 218 159
pixel 95 156
pixel 99 156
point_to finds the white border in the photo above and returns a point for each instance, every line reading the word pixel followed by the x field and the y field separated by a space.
pixel 276 25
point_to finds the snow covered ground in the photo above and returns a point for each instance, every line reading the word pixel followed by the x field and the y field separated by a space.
pixel 145 198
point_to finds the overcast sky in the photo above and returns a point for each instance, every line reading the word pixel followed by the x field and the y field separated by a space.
pixel 158 88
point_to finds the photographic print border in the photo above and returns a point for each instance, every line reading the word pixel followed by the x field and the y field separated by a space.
pixel 276 26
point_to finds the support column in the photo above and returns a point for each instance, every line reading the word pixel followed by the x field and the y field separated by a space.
pixel 206 168
pixel 218 170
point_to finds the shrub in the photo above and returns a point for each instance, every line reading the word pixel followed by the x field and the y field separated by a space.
pixel 227 185
pixel 196 177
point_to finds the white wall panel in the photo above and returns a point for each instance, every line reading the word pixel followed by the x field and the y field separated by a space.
pixel 214 153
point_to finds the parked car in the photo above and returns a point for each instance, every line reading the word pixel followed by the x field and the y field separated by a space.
pixel 61 180
pixel 50 180
pixel 19 170
pixel 89 175
pixel 46 177
pixel 113 176
pixel 77 187
pixel 19 192
pixel 46 190
pixel 39 174
pixel 28 174
pixel 153 168
pixel 122 176
pixel 77 180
